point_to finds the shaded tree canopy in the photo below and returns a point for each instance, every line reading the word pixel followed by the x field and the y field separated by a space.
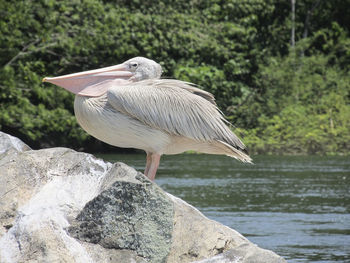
pixel 282 98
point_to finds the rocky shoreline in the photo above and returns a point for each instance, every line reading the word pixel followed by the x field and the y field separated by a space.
pixel 59 205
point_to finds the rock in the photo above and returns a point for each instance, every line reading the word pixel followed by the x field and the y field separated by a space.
pixel 58 205
pixel 211 238
pixel 248 253
pixel 130 214
pixel 8 142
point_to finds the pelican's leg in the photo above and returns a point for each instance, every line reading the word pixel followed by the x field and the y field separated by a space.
pixel 148 163
pixel 155 158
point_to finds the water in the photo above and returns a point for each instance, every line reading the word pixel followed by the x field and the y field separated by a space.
pixel 298 207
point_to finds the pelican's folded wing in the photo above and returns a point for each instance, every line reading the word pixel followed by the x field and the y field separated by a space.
pixel 172 106
pixel 189 87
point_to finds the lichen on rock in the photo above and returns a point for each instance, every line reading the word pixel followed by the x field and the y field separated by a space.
pixel 135 216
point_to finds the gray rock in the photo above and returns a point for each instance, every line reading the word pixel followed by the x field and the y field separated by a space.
pixel 58 205
pixel 128 215
pixel 8 142
pixel 247 253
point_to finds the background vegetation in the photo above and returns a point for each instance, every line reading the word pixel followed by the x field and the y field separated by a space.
pixel 280 75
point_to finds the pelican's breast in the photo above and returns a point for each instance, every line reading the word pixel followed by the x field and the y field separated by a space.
pixel 98 118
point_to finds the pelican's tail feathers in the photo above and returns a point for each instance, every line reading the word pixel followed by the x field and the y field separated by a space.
pixel 236 153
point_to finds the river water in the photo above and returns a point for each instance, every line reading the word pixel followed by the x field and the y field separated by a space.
pixel 296 206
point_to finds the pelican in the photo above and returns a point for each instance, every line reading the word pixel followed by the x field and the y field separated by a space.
pixel 129 105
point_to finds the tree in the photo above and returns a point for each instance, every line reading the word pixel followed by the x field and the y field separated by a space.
pixel 238 50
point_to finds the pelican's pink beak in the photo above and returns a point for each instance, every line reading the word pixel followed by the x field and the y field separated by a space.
pixel 93 83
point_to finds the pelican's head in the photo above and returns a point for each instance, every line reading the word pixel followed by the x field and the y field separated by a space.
pixel 143 68
pixel 94 83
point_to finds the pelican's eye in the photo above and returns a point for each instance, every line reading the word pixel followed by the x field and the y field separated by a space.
pixel 134 65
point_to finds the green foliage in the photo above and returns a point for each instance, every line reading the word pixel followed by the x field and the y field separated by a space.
pixel 285 100
pixel 306 107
